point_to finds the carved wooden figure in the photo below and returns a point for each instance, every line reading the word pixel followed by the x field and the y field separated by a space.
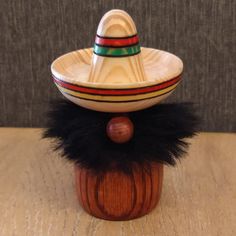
pixel 117 77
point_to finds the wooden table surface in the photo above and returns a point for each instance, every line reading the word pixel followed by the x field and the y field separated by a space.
pixel 37 194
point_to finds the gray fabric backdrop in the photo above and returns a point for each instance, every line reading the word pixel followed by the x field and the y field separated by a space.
pixel 201 32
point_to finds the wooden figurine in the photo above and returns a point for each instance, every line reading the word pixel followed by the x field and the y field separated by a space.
pixel 117 142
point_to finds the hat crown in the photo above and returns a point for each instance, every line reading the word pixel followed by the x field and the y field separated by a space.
pixel 116 51
pixel 116 23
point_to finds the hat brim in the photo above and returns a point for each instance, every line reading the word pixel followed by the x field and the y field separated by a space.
pixel 71 72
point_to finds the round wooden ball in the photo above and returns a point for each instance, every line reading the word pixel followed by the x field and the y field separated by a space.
pixel 120 129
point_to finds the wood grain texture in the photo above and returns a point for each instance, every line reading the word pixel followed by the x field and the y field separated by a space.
pixel 36 32
pixel 116 23
pixel 71 73
pixel 38 198
pixel 114 195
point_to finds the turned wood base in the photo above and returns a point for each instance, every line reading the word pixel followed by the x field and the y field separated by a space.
pixel 114 195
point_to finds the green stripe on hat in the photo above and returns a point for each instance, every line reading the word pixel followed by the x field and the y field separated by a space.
pixel 116 52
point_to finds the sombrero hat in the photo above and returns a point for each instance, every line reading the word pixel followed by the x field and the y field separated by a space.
pixel 117 75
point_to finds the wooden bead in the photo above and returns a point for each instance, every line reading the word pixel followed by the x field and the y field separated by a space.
pixel 113 195
pixel 120 129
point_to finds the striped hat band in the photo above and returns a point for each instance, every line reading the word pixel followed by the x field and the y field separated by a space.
pixel 116 47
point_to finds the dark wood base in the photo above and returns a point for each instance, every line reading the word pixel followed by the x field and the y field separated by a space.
pixel 114 195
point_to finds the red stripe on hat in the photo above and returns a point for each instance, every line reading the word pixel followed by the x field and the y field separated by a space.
pixel 116 42
pixel 114 92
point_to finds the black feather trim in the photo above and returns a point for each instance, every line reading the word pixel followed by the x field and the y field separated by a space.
pixel 159 134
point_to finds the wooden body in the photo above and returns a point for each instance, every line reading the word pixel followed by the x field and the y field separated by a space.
pixel 114 195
